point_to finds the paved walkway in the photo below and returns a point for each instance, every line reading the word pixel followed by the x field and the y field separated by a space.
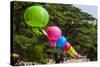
pixel 72 60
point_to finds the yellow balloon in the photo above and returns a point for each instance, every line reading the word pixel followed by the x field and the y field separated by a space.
pixel 71 51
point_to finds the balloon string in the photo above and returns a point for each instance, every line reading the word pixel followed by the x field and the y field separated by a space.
pixel 44 32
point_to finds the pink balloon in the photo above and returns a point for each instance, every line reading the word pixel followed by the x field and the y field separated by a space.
pixel 53 32
pixel 53 43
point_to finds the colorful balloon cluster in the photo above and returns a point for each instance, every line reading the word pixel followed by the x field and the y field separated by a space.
pixel 56 38
pixel 38 17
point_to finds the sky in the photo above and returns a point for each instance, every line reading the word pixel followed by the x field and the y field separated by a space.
pixel 89 9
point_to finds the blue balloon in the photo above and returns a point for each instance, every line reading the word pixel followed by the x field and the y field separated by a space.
pixel 61 42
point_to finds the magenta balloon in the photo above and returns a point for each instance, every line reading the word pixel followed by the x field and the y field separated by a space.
pixel 53 32
pixel 52 43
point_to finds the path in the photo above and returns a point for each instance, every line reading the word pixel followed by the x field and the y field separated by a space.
pixel 72 60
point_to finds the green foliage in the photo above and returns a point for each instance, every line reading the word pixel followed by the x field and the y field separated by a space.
pixel 77 26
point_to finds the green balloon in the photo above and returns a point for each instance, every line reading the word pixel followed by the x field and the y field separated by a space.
pixel 46 17
pixel 37 31
pixel 36 16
